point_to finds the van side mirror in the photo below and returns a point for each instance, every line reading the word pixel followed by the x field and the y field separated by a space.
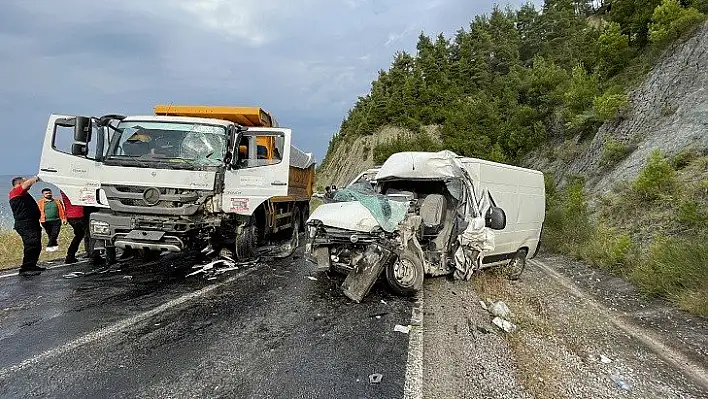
pixel 495 218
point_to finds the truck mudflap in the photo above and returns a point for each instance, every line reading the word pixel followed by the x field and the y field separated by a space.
pixel 360 280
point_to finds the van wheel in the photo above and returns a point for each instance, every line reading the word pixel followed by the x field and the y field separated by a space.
pixel 246 243
pixel 516 265
pixel 405 274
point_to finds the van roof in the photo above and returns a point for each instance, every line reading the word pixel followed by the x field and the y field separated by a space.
pixel 483 161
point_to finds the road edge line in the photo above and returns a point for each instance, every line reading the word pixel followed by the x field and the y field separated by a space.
pixel 413 388
pixel 675 358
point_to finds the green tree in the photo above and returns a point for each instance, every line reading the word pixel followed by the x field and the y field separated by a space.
pixel 613 50
pixel 670 21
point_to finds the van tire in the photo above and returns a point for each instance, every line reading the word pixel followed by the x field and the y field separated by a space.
pixel 405 274
pixel 516 265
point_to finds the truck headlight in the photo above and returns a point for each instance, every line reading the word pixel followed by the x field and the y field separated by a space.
pixel 100 228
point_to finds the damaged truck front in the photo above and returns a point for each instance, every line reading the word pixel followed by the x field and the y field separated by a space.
pixel 423 218
pixel 181 179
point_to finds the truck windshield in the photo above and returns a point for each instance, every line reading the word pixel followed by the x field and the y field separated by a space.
pixel 192 144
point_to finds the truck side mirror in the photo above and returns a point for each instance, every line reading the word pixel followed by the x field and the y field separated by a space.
pixel 495 218
pixel 82 129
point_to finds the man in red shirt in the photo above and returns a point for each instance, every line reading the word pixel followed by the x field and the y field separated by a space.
pixel 75 217
pixel 26 213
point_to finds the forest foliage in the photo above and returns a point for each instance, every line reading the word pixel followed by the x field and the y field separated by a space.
pixel 516 78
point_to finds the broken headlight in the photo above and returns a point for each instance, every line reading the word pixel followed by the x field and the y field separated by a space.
pixel 312 231
pixel 100 228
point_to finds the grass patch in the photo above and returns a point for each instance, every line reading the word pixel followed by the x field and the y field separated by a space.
pixel 613 152
pixel 11 248
pixel 651 231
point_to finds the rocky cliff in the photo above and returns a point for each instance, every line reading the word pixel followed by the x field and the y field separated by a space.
pixel 668 111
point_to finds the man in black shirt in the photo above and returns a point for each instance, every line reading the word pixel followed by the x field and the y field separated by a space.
pixel 27 214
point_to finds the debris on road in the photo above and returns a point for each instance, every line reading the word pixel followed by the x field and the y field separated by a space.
pixel 218 267
pixel 605 359
pixel 73 275
pixel 499 309
pixel 375 378
pixel 384 302
pixel 402 329
pixel 483 305
pixel 127 277
pixel 505 325
pixel 312 278
pixel 621 383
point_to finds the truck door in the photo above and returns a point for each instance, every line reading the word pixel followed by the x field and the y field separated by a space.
pixel 259 170
pixel 72 147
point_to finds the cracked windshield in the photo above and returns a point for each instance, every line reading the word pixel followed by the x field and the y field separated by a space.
pixel 194 144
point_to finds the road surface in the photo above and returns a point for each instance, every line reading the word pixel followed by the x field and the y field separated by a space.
pixel 264 331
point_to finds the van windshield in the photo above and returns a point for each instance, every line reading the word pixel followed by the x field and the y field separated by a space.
pixel 173 142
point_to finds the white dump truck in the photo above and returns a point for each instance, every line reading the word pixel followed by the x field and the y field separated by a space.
pixel 183 178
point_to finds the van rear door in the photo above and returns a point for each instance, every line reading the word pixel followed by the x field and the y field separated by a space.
pixel 69 158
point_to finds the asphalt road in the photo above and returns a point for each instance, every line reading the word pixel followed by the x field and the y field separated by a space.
pixel 265 330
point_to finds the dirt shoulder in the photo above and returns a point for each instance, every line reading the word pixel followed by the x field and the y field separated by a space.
pixel 578 329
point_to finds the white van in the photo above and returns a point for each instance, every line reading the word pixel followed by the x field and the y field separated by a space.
pixel 521 194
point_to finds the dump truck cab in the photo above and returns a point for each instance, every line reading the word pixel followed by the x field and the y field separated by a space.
pixel 180 179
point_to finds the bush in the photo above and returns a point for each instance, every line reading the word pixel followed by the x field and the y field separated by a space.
pixel 583 88
pixel 677 270
pixel 567 227
pixel 609 105
pixel 656 179
pixel 613 152
pixel 670 21
pixel 692 215
pixel 610 250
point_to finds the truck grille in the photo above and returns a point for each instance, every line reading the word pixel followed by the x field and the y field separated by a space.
pixel 155 200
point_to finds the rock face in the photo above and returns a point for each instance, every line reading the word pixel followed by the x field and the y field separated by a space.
pixel 669 111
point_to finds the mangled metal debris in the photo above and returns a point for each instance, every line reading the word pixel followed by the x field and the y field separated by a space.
pixel 505 325
pixel 218 267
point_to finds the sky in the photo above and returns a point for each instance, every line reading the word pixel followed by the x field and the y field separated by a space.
pixel 306 61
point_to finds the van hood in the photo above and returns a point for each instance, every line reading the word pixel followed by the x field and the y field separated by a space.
pixel 345 215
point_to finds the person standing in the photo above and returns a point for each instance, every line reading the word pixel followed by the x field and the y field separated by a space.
pixel 52 216
pixel 77 221
pixel 26 214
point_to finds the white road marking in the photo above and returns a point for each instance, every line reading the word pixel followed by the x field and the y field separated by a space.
pixel 413 388
pixel 49 268
pixel 115 328
pixel 698 373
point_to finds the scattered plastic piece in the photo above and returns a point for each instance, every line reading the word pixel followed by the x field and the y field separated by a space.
pixel 505 325
pixel 621 383
pixel 312 278
pixel 605 359
pixel 483 305
pixel 128 277
pixel 500 309
pixel 403 329
pixel 384 302
pixel 375 378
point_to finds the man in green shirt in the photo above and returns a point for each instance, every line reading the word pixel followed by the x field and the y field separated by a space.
pixel 52 215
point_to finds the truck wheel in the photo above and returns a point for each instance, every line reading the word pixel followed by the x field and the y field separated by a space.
pixel 516 265
pixel 405 274
pixel 246 243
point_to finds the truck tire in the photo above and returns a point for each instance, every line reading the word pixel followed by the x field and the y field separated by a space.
pixel 405 275
pixel 516 265
pixel 247 243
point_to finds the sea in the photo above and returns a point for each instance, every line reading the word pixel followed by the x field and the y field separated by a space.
pixel 6 221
